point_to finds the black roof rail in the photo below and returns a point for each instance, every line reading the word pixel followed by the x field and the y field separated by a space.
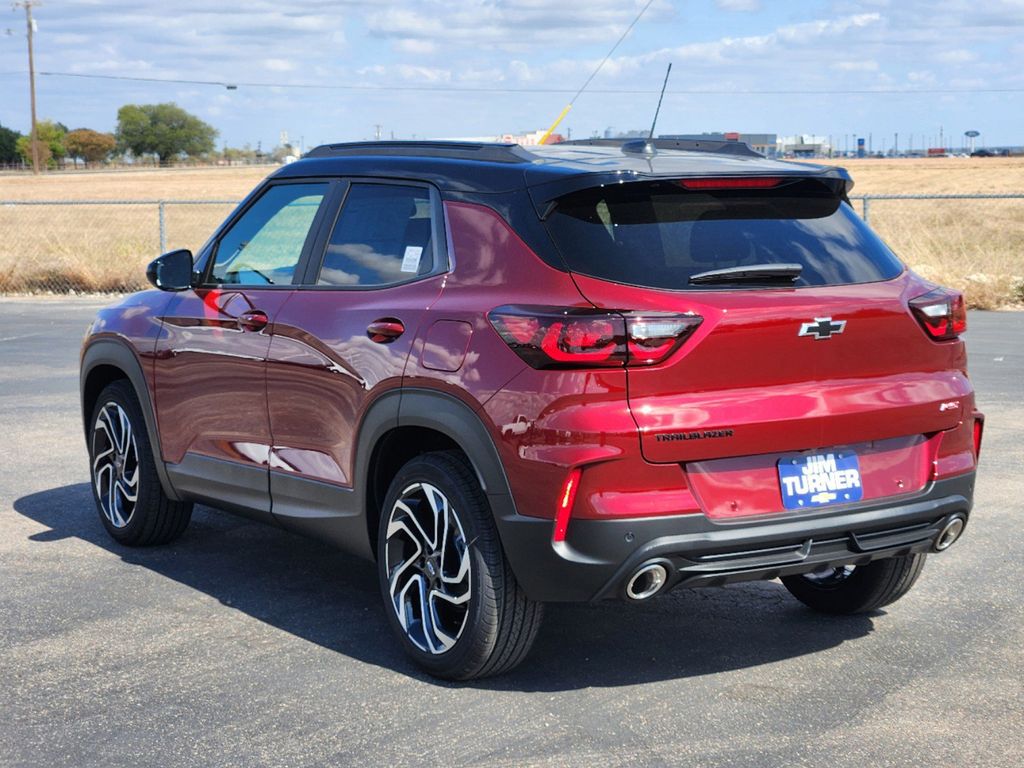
pixel 737 148
pixel 456 150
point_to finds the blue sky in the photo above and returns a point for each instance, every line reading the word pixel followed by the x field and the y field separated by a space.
pixel 959 51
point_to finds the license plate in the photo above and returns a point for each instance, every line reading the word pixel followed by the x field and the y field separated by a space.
pixel 820 479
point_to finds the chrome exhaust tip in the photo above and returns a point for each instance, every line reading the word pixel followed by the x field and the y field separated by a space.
pixel 647 581
pixel 950 533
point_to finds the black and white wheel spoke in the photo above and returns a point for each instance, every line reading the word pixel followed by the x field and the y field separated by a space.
pixel 428 567
pixel 115 464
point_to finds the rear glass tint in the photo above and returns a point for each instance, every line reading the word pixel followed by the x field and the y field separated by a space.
pixel 657 234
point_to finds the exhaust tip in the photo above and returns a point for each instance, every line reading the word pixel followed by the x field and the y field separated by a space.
pixel 647 581
pixel 950 533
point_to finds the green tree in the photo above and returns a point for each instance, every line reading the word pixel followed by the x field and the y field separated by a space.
pixel 24 146
pixel 9 145
pixel 91 146
pixel 164 130
pixel 50 135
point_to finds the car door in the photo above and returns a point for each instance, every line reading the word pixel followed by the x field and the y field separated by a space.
pixel 210 363
pixel 342 342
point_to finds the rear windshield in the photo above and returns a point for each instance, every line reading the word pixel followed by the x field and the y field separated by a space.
pixel 658 234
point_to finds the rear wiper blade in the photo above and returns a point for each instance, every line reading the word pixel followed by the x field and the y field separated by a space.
pixel 751 273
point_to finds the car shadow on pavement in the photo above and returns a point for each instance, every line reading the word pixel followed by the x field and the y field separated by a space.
pixel 320 595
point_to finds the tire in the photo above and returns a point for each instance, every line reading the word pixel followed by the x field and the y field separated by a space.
pixel 857 589
pixel 125 485
pixel 439 556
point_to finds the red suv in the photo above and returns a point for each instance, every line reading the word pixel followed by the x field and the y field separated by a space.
pixel 572 372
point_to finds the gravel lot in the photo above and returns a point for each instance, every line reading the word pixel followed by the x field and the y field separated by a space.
pixel 241 645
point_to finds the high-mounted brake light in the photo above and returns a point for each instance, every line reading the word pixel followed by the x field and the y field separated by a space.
pixel 550 337
pixel 941 313
pixel 749 182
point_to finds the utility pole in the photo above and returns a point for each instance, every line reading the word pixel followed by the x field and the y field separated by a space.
pixel 376 131
pixel 30 24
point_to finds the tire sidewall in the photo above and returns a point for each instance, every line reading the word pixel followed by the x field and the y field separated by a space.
pixel 478 637
pixel 869 587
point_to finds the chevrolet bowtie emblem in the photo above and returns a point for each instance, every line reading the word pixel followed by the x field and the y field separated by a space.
pixel 822 328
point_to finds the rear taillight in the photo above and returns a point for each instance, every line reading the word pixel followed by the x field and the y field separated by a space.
pixel 550 337
pixel 941 313
pixel 979 429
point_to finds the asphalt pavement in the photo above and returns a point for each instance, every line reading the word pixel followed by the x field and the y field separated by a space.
pixel 240 645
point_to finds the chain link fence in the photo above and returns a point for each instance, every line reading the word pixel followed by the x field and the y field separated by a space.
pixel 971 242
pixel 96 246
pixel 974 243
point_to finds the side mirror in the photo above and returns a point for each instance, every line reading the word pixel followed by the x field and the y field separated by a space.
pixel 172 271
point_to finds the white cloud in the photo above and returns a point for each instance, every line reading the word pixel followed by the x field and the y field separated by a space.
pixel 862 65
pixel 526 44
pixel 279 65
pixel 956 56
pixel 742 50
pixel 415 47
pixel 510 24
pixel 968 82
pixel 739 5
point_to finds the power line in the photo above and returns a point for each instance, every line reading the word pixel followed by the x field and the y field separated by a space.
pixel 565 111
pixel 609 54
pixel 531 90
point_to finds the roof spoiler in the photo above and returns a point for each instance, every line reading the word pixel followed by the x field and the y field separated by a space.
pixel 456 150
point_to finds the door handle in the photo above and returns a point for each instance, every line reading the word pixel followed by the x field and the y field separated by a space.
pixel 385 331
pixel 254 320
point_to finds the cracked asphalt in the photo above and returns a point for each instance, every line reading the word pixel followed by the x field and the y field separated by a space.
pixel 240 645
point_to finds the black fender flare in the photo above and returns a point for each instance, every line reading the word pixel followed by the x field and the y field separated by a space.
pixel 526 541
pixel 118 354
pixel 450 416
pixel 447 415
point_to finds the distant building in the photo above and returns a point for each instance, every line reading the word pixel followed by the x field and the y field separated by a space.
pixel 611 133
pixel 765 143
pixel 531 139
pixel 804 145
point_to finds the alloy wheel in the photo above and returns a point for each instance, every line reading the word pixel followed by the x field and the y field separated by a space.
pixel 428 568
pixel 115 464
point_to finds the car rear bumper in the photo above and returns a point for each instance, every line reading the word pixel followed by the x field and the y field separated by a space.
pixel 599 556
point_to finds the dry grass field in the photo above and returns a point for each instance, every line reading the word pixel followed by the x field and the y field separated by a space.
pixel 974 245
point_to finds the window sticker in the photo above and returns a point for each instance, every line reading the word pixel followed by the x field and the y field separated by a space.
pixel 411 260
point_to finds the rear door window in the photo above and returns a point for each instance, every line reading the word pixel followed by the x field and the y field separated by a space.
pixel 383 236
pixel 658 234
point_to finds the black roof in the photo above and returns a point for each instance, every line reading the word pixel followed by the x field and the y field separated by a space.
pixel 470 167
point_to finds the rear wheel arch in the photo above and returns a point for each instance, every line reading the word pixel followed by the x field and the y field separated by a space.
pixel 422 421
pixel 105 361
